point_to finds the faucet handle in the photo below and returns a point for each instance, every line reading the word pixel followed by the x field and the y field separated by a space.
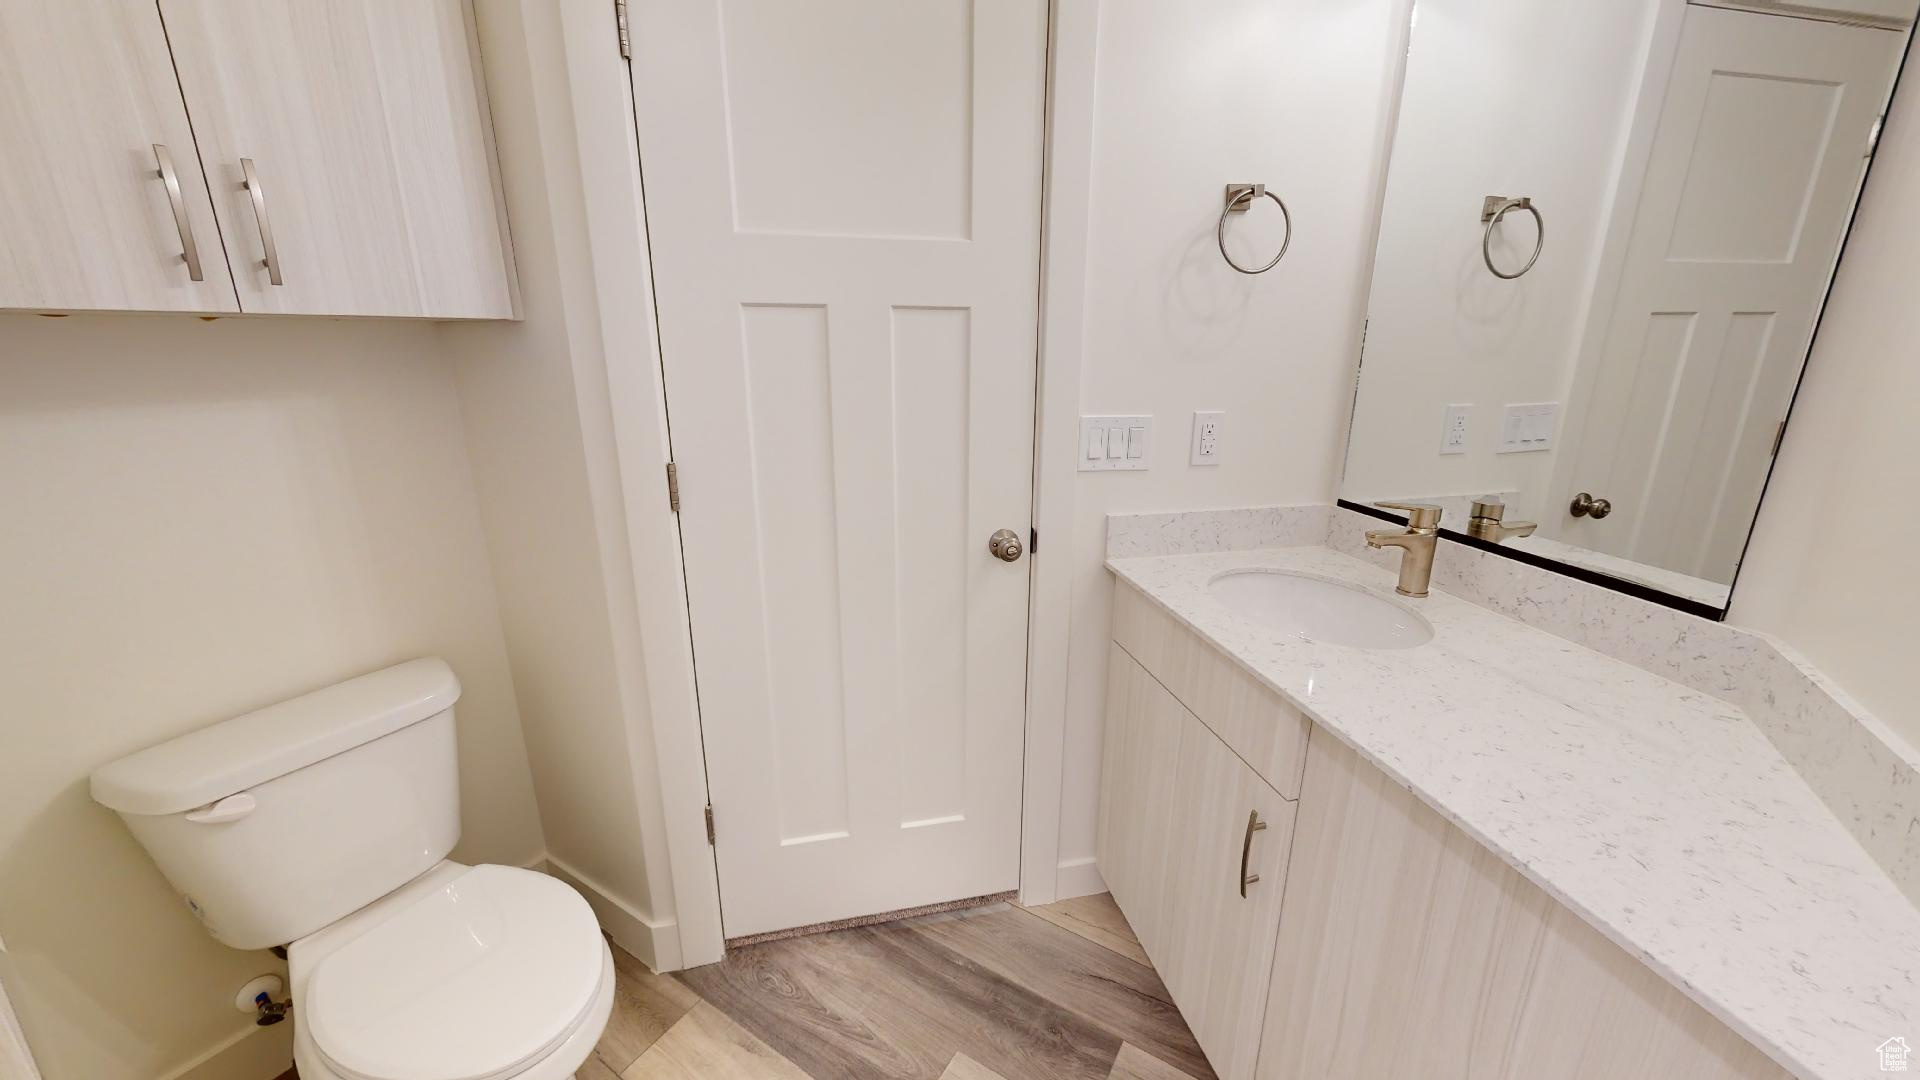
pixel 1419 515
pixel 1489 507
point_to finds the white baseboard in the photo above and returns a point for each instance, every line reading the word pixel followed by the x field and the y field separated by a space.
pixel 656 944
pixel 251 1053
pixel 1078 877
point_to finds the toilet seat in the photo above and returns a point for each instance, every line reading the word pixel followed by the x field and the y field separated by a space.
pixel 480 978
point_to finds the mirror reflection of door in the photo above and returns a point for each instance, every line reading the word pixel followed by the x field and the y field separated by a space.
pixel 1762 139
pixel 1695 166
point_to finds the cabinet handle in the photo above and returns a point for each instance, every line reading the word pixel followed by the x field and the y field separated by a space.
pixel 260 218
pixel 1254 825
pixel 189 250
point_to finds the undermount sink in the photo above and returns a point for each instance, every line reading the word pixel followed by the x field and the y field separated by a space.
pixel 1318 610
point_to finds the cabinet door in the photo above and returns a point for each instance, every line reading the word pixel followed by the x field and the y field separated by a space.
pixel 364 122
pixel 1220 933
pixel 86 216
pixel 1138 757
pixel 1176 807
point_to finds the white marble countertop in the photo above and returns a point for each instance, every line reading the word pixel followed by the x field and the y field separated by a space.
pixel 1660 815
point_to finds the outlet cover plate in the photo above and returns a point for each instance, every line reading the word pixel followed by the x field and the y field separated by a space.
pixel 1209 428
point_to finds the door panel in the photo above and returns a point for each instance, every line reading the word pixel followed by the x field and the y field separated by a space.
pixel 365 122
pixel 1755 165
pixel 85 219
pixel 843 206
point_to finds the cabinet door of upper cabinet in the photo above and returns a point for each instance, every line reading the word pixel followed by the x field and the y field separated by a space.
pixel 1218 921
pixel 89 110
pixel 364 125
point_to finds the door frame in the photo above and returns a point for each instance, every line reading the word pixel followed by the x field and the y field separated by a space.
pixel 614 215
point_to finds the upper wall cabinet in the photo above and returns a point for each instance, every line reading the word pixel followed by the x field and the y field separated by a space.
pixel 364 125
pixel 339 159
pixel 102 201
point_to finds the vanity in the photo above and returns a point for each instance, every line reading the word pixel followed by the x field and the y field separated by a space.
pixel 1362 834
pixel 1466 776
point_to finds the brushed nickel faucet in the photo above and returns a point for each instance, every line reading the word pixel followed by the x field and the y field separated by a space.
pixel 1485 524
pixel 1416 542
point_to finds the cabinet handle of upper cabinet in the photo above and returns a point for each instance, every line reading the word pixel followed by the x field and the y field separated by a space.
pixel 189 250
pixel 260 218
pixel 1254 825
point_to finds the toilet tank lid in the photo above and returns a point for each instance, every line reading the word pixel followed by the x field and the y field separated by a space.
pixel 203 766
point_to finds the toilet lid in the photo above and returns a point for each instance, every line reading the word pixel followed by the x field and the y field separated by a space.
pixel 481 977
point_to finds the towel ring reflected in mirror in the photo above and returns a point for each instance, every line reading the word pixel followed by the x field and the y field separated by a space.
pixel 1239 198
pixel 1492 210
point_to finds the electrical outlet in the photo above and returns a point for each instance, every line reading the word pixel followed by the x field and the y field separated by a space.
pixel 1453 434
pixel 1208 429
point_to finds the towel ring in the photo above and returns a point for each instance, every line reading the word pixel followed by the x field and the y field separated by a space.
pixel 1494 208
pixel 1246 193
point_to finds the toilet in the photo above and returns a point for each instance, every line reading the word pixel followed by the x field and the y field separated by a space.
pixel 323 824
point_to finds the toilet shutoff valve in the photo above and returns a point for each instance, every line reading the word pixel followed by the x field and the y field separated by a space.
pixel 259 997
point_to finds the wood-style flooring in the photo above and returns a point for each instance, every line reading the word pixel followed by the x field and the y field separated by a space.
pixel 993 993
pixel 1062 992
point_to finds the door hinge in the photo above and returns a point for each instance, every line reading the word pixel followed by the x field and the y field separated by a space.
pixel 710 825
pixel 1873 135
pixel 673 487
pixel 620 19
pixel 1779 436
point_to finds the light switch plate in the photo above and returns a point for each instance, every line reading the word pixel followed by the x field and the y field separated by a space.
pixel 1528 427
pixel 1115 443
pixel 1208 429
pixel 1454 428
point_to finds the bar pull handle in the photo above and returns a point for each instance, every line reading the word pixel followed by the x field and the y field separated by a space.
pixel 260 218
pixel 1254 825
pixel 189 250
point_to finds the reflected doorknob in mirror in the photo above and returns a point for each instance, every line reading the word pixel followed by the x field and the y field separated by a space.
pixel 1585 505
pixel 1005 545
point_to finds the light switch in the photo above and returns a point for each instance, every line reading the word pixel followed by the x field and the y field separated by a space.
pixel 1528 427
pixel 1115 443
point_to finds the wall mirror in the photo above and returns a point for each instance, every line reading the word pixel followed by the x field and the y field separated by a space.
pixel 1605 241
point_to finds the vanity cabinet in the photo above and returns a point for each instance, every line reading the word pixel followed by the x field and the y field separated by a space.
pixel 1193 845
pixel 1380 940
pixel 339 159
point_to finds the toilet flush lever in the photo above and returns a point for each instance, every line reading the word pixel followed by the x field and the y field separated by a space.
pixel 232 808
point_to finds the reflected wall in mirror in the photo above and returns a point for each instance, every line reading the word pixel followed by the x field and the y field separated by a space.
pixel 1680 177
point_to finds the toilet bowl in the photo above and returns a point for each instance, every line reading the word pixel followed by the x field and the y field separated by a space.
pixel 466 973
pixel 323 824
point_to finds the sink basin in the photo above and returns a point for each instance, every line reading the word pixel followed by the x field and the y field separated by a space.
pixel 1317 610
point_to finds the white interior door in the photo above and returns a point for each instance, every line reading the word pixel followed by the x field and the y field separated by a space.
pixel 843 205
pixel 1761 145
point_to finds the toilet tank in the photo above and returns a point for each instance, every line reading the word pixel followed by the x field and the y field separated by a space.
pixel 275 824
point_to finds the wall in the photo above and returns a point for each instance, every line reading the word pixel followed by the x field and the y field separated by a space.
pixel 1827 570
pixel 202 518
pixel 1286 92
pixel 539 423
pixel 1508 97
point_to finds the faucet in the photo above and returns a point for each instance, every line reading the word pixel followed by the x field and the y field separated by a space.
pixel 1485 524
pixel 1416 543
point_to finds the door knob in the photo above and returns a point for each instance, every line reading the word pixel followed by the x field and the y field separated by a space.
pixel 1585 505
pixel 1005 545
